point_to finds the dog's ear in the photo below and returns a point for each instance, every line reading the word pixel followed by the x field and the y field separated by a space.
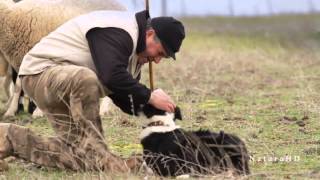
pixel 177 113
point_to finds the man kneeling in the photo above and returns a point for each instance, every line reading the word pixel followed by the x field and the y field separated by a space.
pixel 89 57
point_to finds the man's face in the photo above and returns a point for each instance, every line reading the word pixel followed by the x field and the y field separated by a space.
pixel 154 49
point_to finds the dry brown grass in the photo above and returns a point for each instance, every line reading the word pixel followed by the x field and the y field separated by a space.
pixel 255 77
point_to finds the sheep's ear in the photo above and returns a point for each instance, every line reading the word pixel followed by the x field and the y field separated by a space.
pixel 177 113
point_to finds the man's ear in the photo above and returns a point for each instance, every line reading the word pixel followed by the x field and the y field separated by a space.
pixel 177 113
pixel 150 32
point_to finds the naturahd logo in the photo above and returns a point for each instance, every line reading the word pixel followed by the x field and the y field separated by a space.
pixel 272 159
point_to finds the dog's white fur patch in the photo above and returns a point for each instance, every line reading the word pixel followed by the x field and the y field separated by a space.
pixel 183 176
pixel 167 119
pixel 168 125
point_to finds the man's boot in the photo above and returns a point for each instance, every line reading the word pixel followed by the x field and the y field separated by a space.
pixel 6 148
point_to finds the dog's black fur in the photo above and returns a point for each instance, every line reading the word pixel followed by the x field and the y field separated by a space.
pixel 197 152
pixel 149 111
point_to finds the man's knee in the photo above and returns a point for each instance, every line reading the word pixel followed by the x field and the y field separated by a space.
pixel 87 76
pixel 88 82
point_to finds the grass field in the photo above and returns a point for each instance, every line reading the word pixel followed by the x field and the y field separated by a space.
pixel 258 78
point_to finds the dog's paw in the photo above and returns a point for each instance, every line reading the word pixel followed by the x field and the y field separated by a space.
pixel 183 176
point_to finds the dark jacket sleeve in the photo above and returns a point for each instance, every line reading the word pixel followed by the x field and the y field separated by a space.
pixel 110 49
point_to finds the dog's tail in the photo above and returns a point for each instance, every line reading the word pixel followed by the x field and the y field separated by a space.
pixel 236 150
pixel 229 147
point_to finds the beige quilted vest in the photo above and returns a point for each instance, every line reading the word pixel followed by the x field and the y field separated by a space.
pixel 68 44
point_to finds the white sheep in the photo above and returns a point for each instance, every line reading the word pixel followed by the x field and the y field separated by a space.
pixel 5 70
pixel 5 74
pixel 24 23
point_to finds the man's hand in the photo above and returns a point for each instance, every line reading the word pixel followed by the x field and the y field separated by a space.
pixel 161 100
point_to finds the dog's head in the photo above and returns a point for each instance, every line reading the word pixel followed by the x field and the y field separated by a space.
pixel 159 120
pixel 159 117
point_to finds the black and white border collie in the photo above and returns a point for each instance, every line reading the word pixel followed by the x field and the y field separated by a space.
pixel 171 151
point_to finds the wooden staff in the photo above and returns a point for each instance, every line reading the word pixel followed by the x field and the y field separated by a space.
pixel 150 61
